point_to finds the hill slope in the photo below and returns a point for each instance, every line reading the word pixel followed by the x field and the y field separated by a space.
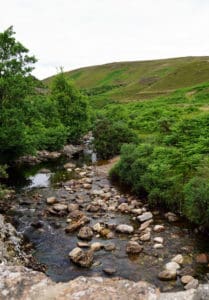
pixel 129 81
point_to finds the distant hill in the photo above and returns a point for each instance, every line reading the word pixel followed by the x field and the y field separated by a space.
pixel 138 80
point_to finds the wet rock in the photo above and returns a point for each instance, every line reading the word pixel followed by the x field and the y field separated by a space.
pixel 186 279
pixel 145 237
pixel 87 186
pixel 85 233
pixel 145 217
pixel 51 200
pixel 137 211
pixel 172 266
pixel 93 208
pixel 178 259
pixel 193 284
pixel 167 275
pixel 74 225
pixel 105 232
pixel 202 258
pixel 133 248
pixel 158 246
pixel 124 208
pixel 159 228
pixel 76 215
pixel 81 258
pixel 158 240
pixel 72 206
pixel 69 166
pixel 60 207
pixel 96 246
pixel 124 228
pixel 97 227
pixel 109 271
pixel 145 225
pixel 83 245
pixel 110 247
pixel 171 217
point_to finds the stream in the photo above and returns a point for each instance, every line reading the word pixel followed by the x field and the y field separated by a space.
pixel 44 227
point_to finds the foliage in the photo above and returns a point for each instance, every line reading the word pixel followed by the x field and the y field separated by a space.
pixel 3 174
pixel 72 107
pixel 109 137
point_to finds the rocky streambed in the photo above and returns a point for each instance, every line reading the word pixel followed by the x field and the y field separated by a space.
pixel 78 223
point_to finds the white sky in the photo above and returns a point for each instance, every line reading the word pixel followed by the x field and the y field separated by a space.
pixel 77 33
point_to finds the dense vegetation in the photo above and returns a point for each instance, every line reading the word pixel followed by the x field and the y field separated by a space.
pixel 33 117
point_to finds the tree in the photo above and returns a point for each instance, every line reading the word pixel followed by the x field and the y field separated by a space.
pixel 15 69
pixel 72 106
pixel 16 82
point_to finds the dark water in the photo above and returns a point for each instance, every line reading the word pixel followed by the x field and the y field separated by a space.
pixel 52 245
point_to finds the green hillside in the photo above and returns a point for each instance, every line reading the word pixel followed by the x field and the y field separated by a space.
pixel 131 81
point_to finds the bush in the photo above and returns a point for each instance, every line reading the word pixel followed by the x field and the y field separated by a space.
pixel 109 136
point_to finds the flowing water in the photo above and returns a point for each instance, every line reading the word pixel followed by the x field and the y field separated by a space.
pixel 51 244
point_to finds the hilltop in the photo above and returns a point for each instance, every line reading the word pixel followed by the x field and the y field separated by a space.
pixel 138 80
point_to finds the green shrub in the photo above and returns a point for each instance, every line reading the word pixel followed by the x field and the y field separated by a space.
pixel 109 136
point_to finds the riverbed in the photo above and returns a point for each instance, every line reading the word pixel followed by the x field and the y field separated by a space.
pixel 88 187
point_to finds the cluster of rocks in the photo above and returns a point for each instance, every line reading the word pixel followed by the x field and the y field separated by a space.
pixel 44 155
pixel 89 199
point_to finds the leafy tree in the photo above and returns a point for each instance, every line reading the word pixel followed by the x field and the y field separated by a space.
pixel 72 107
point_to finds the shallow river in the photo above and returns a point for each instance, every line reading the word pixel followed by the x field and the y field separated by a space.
pixel 51 244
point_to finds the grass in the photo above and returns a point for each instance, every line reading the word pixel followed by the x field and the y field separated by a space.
pixel 139 80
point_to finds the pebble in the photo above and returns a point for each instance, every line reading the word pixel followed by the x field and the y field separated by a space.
pixel 158 240
pixel 110 247
pixel 193 284
pixel 178 259
pixel 158 246
pixel 186 279
pixel 159 228
pixel 167 275
pixel 51 200
pixel 96 246
pixel 124 228
pixel 109 271
pixel 133 248
pixel 172 266
pixel 145 217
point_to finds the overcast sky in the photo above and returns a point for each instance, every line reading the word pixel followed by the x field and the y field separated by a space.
pixel 77 33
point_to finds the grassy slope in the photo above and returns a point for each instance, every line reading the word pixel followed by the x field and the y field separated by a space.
pixel 134 81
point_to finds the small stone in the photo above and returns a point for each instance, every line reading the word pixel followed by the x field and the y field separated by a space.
pixel 123 228
pixel 167 275
pixel 158 239
pixel 145 237
pixel 172 266
pixel 83 245
pixel 51 200
pixel 124 208
pixel 178 259
pixel 193 284
pixel 145 217
pixel 73 206
pixel 69 166
pixel 81 258
pixel 97 227
pixel 74 225
pixel 87 186
pixel 96 246
pixel 110 247
pixel 158 246
pixel 145 225
pixel 159 228
pixel 137 211
pixel 186 279
pixel 109 271
pixel 133 248
pixel 60 207
pixel 85 233
pixel 171 217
